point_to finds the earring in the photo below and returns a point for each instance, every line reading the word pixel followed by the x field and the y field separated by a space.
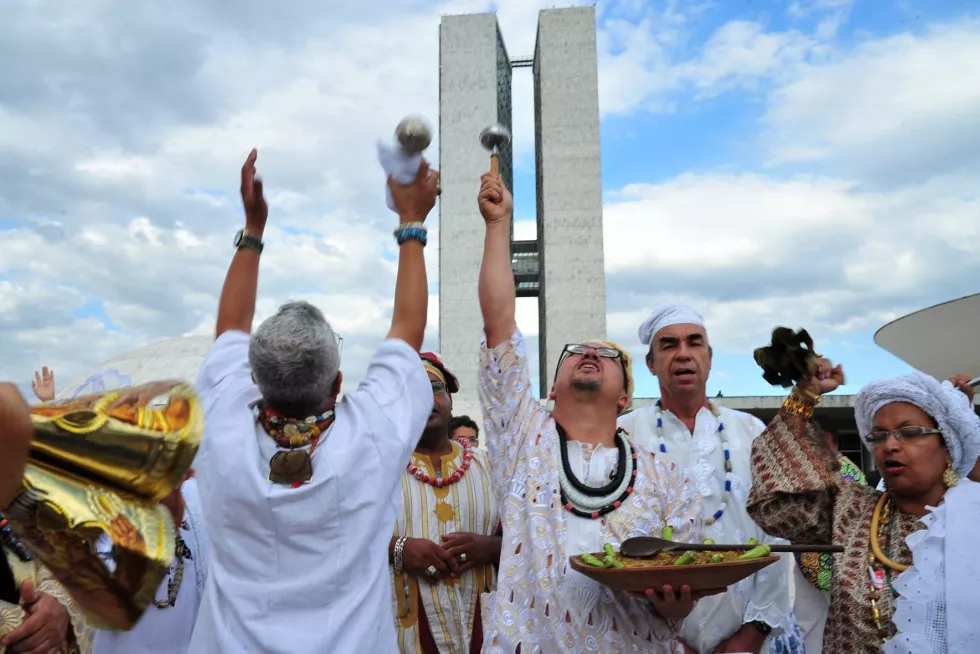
pixel 950 478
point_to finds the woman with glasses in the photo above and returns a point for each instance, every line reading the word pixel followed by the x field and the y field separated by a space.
pixel 904 582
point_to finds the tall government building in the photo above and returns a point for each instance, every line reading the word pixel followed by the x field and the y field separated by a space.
pixel 562 268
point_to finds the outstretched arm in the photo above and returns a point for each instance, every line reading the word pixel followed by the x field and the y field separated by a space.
pixel 237 305
pixel 498 298
pixel 16 432
pixel 413 202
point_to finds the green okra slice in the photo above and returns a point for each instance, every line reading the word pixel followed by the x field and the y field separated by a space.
pixel 686 558
pixel 593 561
pixel 756 553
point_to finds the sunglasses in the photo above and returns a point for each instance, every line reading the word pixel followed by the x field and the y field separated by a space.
pixel 603 352
pixel 439 387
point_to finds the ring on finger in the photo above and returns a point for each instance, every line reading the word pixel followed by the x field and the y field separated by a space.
pixel 431 571
pixel 462 557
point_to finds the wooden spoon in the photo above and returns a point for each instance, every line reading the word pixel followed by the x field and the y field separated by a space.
pixel 644 547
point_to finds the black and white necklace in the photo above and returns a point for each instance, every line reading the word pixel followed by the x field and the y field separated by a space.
pixel 586 501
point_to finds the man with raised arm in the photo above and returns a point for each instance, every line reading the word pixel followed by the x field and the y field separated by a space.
pixel 567 482
pixel 297 486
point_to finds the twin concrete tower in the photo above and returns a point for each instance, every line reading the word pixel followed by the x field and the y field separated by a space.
pixel 562 268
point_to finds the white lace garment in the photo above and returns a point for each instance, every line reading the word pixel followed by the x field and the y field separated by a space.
pixel 540 604
pixel 936 612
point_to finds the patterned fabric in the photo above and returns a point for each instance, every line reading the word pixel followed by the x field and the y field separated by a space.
pixel 429 512
pixel 850 472
pixel 11 616
pixel 797 495
pixel 540 604
pixel 819 568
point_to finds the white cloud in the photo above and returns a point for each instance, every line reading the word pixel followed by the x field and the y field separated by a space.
pixel 892 110
pixel 121 150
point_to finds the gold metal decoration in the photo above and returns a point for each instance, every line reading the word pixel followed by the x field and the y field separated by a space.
pixel 90 509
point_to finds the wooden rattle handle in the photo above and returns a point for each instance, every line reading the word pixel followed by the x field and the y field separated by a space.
pixel 495 163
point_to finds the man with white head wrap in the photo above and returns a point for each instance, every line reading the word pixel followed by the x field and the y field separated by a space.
pixel 925 438
pixel 712 444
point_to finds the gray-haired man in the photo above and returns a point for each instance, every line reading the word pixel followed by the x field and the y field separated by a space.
pixel 297 487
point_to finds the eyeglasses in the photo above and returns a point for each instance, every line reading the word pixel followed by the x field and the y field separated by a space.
pixel 903 434
pixel 439 387
pixel 579 349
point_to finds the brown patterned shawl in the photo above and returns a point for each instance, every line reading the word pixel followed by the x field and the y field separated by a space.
pixel 798 495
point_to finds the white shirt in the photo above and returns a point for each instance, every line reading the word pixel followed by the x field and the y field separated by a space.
pixel 541 604
pixel 305 569
pixel 765 595
pixel 168 630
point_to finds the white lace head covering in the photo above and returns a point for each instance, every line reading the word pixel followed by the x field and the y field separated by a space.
pixel 947 405
pixel 672 313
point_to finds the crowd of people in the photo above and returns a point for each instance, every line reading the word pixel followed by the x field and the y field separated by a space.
pixel 374 522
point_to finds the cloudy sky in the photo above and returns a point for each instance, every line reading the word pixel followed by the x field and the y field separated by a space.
pixel 810 163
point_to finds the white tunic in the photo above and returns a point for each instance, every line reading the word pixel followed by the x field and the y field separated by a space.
pixel 764 596
pixel 296 570
pixel 541 604
pixel 168 630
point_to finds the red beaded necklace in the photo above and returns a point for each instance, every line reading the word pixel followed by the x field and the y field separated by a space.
pixel 439 482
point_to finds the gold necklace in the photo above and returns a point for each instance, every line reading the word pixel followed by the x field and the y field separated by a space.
pixel 875 547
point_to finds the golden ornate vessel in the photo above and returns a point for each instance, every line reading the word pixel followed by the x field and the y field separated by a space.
pixel 90 509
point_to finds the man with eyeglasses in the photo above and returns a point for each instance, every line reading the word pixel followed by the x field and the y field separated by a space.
pixel 446 544
pixel 567 482
pixel 713 445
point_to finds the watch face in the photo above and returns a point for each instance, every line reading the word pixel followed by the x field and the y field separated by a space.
pixel 238 238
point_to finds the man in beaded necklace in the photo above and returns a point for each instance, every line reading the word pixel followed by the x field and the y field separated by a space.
pixel 566 482
pixel 713 445
pixel 446 543
pixel 297 486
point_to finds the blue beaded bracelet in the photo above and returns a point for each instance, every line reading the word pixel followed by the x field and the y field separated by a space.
pixel 412 234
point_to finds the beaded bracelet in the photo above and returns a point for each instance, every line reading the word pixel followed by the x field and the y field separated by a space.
pixel 404 234
pixel 399 558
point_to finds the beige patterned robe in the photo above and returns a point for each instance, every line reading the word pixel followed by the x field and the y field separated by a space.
pixel 429 512
pixel 11 617
pixel 798 494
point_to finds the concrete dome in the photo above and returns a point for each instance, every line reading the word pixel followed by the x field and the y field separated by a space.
pixel 172 358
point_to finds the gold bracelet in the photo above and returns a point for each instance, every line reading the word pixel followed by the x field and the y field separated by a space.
pixel 801 403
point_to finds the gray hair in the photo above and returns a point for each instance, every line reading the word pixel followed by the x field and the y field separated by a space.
pixel 295 357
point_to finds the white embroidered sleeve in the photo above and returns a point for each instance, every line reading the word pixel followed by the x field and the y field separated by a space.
pixel 508 406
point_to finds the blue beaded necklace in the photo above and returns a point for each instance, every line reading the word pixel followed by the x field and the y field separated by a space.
pixel 10 541
pixel 662 443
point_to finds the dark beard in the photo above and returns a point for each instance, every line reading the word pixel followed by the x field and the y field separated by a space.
pixel 580 384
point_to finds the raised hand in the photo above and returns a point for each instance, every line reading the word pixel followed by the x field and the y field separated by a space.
pixel 44 629
pixel 43 384
pixel 962 382
pixel 256 209
pixel 826 379
pixel 415 200
pixel 496 202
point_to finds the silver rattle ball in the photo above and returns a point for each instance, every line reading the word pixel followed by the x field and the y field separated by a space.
pixel 413 134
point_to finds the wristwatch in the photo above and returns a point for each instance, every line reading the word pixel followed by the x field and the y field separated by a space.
pixel 244 240
pixel 763 627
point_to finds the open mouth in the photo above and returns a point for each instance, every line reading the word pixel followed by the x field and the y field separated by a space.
pixel 589 364
pixel 893 467
pixel 684 373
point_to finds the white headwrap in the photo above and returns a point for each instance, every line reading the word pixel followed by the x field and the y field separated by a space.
pixel 950 407
pixel 673 313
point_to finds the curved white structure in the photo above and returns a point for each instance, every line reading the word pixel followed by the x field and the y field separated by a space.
pixel 172 358
pixel 940 341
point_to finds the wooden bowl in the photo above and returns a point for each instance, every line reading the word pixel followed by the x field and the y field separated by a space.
pixel 704 578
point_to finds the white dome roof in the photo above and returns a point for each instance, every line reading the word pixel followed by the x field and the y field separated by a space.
pixel 172 358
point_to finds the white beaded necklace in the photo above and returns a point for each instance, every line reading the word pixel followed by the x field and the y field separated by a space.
pixel 724 444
